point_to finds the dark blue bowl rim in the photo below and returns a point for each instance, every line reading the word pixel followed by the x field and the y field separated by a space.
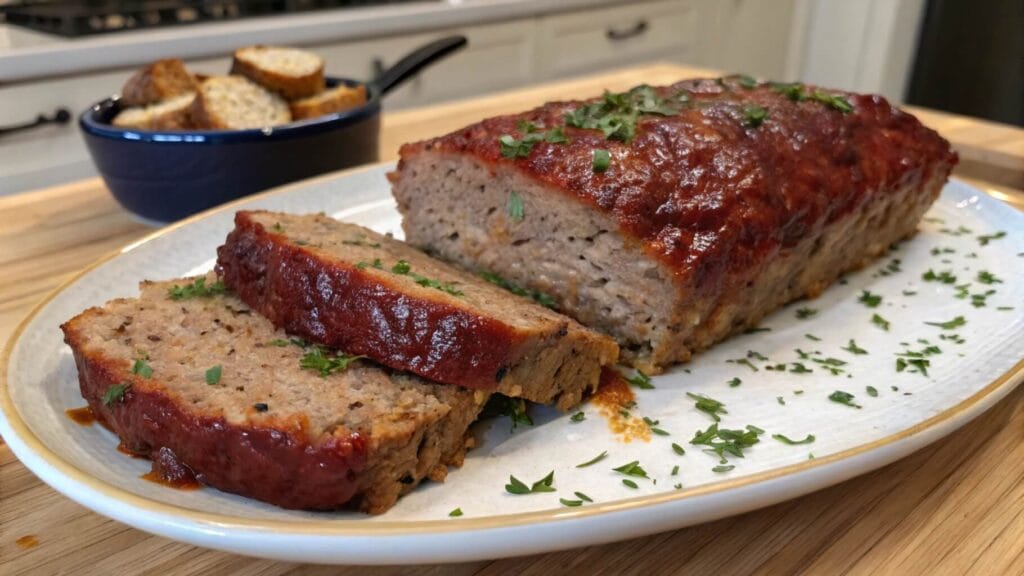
pixel 90 125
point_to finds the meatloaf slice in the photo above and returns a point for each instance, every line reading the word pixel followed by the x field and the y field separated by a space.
pixel 348 287
pixel 673 217
pixel 188 371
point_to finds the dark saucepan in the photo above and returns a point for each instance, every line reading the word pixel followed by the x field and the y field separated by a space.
pixel 165 176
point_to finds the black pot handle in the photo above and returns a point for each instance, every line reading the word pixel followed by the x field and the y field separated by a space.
pixel 417 60
pixel 60 116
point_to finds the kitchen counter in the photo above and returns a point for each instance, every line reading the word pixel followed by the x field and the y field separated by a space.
pixel 954 507
pixel 25 54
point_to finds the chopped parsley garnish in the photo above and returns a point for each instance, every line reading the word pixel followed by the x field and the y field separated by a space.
pixel 880 322
pixel 616 114
pixel 556 136
pixel 513 148
pixel 804 313
pixel 279 342
pixel 868 299
pixel 641 381
pixel 678 449
pixel 945 276
pixel 949 324
pixel 653 425
pixel 787 440
pixel 755 115
pixel 630 483
pixel 583 497
pixel 744 362
pixel 213 375
pixel 812 337
pixel 852 348
pixel 325 364
pixel 986 238
pixel 919 365
pixel 401 268
pixel 516 486
pixel 142 369
pixel 115 393
pixel 709 406
pixel 375 264
pixel 794 91
pixel 675 470
pixel 735 382
pixel 831 364
pixel 844 398
pixel 722 468
pixel 602 159
pixel 360 243
pixel 515 206
pixel 980 300
pixel 756 329
pixel 833 101
pixel 780 400
pixel 277 227
pixel 578 417
pixel 725 441
pixel 986 277
pixel 455 513
pixel 632 469
pixel 799 368
pixel 746 81
pixel 514 408
pixel 572 503
pixel 872 391
pixel 538 297
pixel 197 289
pixel 594 460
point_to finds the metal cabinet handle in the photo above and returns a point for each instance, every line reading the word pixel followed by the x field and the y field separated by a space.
pixel 639 28
pixel 60 116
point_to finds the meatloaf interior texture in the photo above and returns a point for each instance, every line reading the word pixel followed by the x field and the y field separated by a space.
pixel 720 200
pixel 234 400
pixel 347 287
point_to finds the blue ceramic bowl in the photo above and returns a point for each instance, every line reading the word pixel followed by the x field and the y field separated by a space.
pixel 165 176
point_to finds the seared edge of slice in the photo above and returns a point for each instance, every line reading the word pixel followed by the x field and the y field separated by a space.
pixel 161 80
pixel 348 287
pixel 329 101
pixel 264 427
pixel 290 72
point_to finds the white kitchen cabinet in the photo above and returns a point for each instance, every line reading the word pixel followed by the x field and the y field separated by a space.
pixel 748 36
pixel 604 38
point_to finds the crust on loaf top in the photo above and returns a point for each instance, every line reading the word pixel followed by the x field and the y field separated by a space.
pixel 704 189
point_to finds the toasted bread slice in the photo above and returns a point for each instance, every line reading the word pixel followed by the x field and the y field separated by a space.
pixel 172 114
pixel 235 103
pixel 161 80
pixel 290 72
pixel 190 377
pixel 329 102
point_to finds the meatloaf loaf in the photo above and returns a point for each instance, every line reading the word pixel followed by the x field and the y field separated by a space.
pixel 672 217
pixel 348 287
pixel 188 372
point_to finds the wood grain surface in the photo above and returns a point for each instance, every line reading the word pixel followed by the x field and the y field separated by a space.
pixel 956 507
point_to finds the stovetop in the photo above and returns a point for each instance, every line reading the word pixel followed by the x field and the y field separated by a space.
pixel 72 19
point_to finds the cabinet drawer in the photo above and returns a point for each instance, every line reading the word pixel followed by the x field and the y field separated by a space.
pixel 587 41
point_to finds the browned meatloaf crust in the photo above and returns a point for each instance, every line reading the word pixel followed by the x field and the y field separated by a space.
pixel 732 198
pixel 264 427
pixel 347 287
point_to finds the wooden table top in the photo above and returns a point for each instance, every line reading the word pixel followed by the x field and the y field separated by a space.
pixel 955 507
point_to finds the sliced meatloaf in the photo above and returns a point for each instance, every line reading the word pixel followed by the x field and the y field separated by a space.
pixel 348 287
pixel 190 372
pixel 673 217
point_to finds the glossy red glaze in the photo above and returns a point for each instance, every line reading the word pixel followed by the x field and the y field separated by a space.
pixel 337 305
pixel 276 462
pixel 708 194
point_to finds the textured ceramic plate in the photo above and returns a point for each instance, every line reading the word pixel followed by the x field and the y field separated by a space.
pixel 779 380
